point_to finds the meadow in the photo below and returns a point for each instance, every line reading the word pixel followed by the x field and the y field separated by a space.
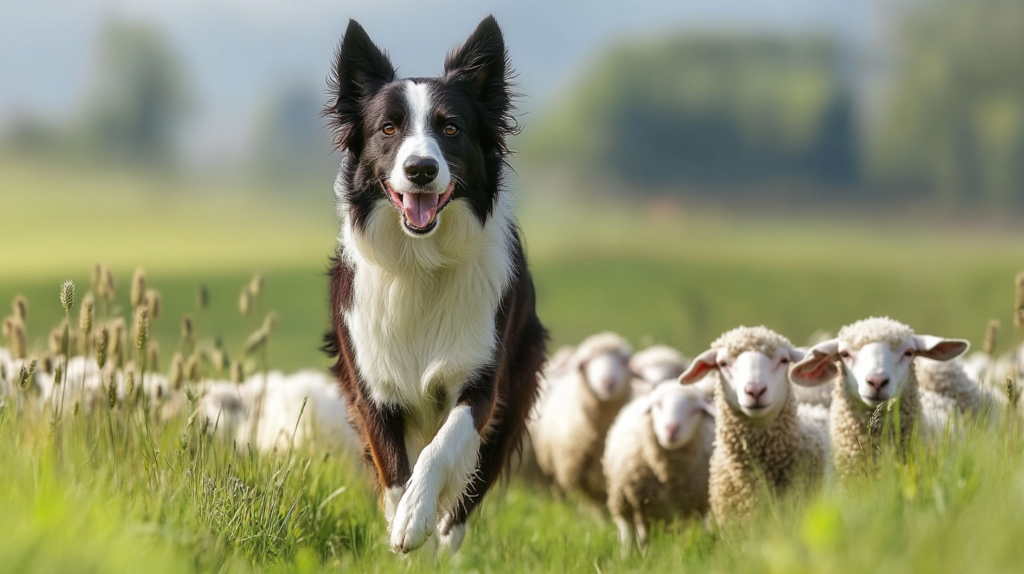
pixel 114 491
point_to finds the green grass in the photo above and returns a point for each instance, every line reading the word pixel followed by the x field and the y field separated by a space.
pixel 116 492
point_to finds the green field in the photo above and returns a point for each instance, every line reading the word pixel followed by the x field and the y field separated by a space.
pixel 111 492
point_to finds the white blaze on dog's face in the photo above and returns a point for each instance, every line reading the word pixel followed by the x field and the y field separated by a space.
pixel 753 383
pixel 607 375
pixel 677 414
pixel 876 371
pixel 420 182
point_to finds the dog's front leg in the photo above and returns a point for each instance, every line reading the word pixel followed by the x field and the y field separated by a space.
pixel 385 429
pixel 444 467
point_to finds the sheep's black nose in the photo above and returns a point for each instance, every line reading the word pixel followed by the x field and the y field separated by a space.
pixel 420 170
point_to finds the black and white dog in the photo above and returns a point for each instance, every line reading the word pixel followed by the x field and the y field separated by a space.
pixel 432 305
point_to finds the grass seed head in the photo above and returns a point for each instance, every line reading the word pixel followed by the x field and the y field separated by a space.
pixel 112 392
pixel 1018 313
pixel 256 342
pixel 20 307
pixel 67 295
pixel 25 375
pixel 47 364
pixel 256 285
pixel 154 303
pixel 101 346
pixel 194 368
pixel 177 371
pixel 74 409
pixel 109 286
pixel 237 373
pixel 270 323
pixel 245 302
pixel 202 297
pixel 85 314
pixel 186 327
pixel 58 375
pixel 17 338
pixel 991 337
pixel 129 383
pixel 138 289
pixel 142 329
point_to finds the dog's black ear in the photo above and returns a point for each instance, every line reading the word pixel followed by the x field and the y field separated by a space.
pixel 482 64
pixel 360 68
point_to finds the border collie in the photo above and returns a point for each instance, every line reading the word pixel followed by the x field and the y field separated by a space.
pixel 432 305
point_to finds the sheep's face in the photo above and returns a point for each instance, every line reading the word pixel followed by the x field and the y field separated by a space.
pixel 658 372
pixel 753 383
pixel 677 414
pixel 877 370
pixel 607 375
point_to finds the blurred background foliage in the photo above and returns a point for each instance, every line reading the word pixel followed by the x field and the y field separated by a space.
pixel 675 177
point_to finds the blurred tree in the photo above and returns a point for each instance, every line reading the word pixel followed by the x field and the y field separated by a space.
pixel 140 100
pixel 709 111
pixel 290 139
pixel 954 122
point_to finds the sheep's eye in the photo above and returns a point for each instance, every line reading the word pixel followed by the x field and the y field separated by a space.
pixel 784 360
pixel 908 353
pixel 723 364
pixel 450 130
pixel 388 129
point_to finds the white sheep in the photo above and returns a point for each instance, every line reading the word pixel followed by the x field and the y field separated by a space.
pixel 654 365
pixel 656 459
pixel 875 361
pixel 267 413
pixel 579 406
pixel 760 437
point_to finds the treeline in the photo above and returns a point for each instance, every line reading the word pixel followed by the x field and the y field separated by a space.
pixel 141 107
pixel 714 114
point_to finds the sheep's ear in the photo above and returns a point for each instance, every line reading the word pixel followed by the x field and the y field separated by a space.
pixel 939 349
pixel 818 366
pixel 360 68
pixel 797 354
pixel 700 367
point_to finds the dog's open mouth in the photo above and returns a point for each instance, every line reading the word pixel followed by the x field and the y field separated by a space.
pixel 419 210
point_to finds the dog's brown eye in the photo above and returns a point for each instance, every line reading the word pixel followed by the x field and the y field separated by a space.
pixel 388 129
pixel 450 130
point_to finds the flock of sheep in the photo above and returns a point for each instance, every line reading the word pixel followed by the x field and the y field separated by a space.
pixel 752 411
pixel 270 411
pixel 652 435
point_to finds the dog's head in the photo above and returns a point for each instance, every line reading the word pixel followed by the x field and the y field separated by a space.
pixel 422 143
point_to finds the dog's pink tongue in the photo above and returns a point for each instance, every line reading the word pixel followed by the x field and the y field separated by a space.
pixel 419 208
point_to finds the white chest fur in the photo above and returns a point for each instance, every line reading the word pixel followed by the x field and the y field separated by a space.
pixel 422 313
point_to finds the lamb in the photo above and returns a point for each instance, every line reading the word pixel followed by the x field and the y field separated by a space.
pixel 656 459
pixel 875 359
pixel 580 406
pixel 759 434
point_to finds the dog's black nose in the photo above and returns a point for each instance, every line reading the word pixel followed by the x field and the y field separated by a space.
pixel 420 170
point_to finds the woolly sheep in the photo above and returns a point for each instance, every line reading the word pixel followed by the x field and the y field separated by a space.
pixel 875 359
pixel 654 365
pixel 268 414
pixel 758 432
pixel 656 459
pixel 580 405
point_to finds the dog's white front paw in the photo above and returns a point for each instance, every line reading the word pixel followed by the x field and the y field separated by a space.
pixel 414 521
